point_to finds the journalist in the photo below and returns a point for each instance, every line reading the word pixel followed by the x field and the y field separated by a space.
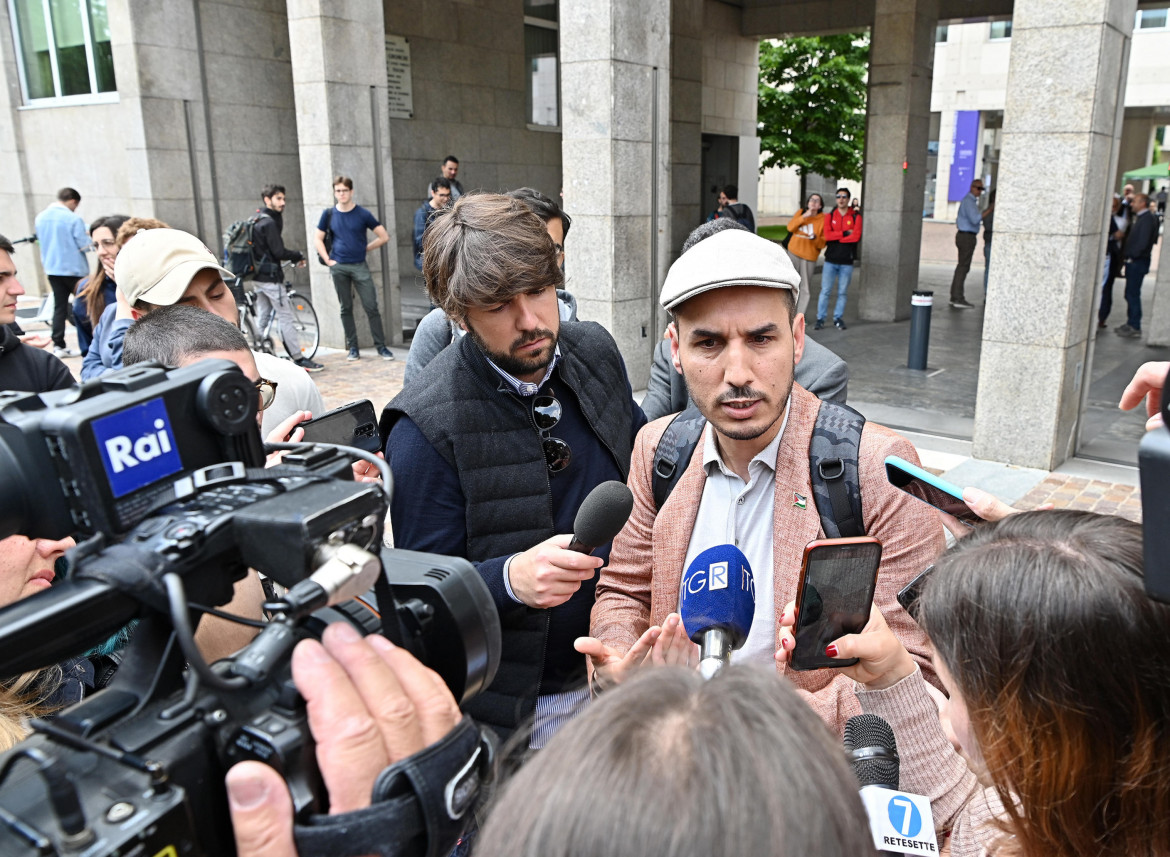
pixel 634 775
pixel 1057 667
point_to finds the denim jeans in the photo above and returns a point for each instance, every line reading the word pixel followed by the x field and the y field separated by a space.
pixel 346 278
pixel 1135 272
pixel 841 275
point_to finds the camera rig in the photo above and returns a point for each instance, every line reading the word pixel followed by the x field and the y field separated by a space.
pixel 160 472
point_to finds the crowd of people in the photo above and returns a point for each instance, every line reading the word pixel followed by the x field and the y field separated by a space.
pixel 1027 683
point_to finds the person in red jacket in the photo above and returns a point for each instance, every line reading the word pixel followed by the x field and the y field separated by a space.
pixel 842 232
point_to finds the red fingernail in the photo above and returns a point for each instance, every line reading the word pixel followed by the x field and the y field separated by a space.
pixel 831 650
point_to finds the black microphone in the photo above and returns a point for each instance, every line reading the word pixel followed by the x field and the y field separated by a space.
pixel 872 751
pixel 873 754
pixel 602 516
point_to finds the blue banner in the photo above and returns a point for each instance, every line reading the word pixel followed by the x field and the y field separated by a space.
pixel 963 159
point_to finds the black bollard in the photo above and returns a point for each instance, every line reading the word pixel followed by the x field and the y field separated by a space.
pixel 920 308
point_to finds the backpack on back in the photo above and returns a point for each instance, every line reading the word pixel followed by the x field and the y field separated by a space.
pixel 238 249
pixel 832 464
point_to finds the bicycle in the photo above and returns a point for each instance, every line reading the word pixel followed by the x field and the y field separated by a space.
pixel 259 332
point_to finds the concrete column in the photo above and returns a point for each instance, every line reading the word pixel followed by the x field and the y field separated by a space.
pixel 900 70
pixel 339 84
pixel 15 199
pixel 615 90
pixel 1066 82
pixel 1157 324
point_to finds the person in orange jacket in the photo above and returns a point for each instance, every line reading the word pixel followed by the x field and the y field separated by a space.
pixel 806 239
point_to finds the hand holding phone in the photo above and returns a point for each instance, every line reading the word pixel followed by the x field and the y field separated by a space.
pixel 873 656
pixel 354 424
pixel 837 582
pixel 930 489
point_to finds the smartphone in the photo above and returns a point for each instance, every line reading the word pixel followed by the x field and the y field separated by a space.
pixel 837 582
pixel 354 424
pixel 930 489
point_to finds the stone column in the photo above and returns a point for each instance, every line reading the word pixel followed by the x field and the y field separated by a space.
pixel 339 83
pixel 901 58
pixel 1066 82
pixel 615 146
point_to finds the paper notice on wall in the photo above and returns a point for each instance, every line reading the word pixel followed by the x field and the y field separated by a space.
pixel 399 94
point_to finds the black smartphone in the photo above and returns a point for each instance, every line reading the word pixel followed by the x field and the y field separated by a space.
pixel 837 582
pixel 930 489
pixel 908 594
pixel 354 424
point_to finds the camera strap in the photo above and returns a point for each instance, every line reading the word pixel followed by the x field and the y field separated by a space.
pixel 421 805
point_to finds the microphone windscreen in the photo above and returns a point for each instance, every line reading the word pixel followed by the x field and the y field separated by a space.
pixel 873 752
pixel 603 514
pixel 719 591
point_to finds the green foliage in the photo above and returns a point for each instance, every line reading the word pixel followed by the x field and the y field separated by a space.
pixel 812 103
pixel 775 232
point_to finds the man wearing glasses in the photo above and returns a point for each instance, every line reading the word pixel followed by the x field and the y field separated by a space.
pixel 498 440
pixel 163 267
pixel 965 239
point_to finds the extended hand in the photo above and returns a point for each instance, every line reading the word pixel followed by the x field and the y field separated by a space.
pixel 547 575
pixel 1146 384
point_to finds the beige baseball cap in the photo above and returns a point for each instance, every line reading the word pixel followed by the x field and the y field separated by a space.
pixel 733 257
pixel 157 265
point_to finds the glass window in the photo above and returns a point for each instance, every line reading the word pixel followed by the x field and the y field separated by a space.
pixel 942 33
pixel 1151 19
pixel 1001 30
pixel 542 60
pixel 64 48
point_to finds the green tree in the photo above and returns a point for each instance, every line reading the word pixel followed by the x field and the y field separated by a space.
pixel 812 104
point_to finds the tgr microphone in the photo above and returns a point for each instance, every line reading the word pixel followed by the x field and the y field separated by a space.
pixel 899 822
pixel 602 516
pixel 717 605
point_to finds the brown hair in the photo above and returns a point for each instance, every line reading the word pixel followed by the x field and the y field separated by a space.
pixel 660 766
pixel 92 294
pixel 345 180
pixel 1064 665
pixel 485 249
pixel 135 225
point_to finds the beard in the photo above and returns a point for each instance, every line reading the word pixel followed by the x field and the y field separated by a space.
pixel 509 361
pixel 735 430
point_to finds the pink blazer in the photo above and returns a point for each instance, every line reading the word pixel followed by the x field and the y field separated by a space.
pixel 640 586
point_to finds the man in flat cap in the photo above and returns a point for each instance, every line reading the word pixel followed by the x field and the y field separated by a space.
pixel 736 338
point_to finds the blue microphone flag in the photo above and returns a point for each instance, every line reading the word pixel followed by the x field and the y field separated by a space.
pixel 719 592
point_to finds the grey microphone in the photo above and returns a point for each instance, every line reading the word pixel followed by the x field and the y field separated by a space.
pixel 602 516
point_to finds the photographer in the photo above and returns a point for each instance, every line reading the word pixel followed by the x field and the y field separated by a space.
pixel 370 705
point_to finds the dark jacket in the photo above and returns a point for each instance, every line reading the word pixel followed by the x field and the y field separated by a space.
pixel 268 247
pixel 29 369
pixel 472 481
pixel 1143 234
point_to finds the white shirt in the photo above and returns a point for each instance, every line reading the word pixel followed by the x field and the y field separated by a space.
pixel 732 512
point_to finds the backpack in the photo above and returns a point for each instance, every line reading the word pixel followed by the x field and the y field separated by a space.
pixel 328 230
pixel 832 464
pixel 237 247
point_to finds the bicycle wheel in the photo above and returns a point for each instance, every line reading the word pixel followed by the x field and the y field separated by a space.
pixel 249 324
pixel 305 318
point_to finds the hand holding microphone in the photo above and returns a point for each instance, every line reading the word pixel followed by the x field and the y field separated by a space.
pixel 548 574
pixel 883 660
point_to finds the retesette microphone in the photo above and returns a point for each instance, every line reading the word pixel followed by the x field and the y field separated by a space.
pixel 718 602
pixel 899 821
pixel 872 751
pixel 601 516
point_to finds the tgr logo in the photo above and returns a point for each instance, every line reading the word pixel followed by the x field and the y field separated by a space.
pixel 137 446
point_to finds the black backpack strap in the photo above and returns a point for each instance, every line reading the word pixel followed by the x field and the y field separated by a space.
pixel 674 451
pixel 832 464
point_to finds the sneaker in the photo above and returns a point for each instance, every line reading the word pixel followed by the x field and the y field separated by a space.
pixel 385 353
pixel 354 354
pixel 65 352
pixel 308 365
pixel 839 323
pixel 961 305
pixel 1101 324
pixel 820 325
pixel 1128 332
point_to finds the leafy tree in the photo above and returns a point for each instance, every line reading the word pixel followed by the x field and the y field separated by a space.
pixel 812 104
